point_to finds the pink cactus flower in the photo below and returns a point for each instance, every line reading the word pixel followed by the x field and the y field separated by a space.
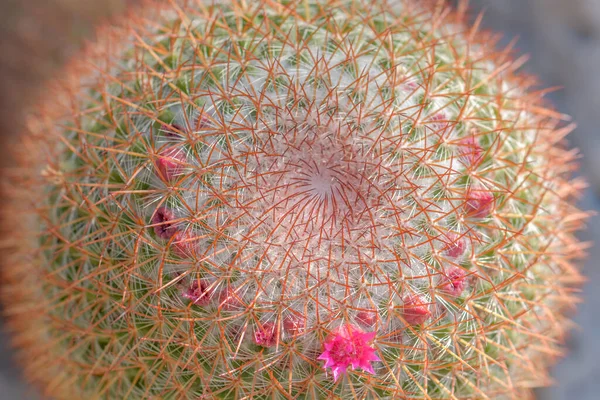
pixel 410 85
pixel 456 245
pixel 349 346
pixel 293 324
pixel 470 151
pixel 439 123
pixel 438 117
pixel 367 317
pixel 184 244
pixel 198 293
pixel 415 310
pixel 479 203
pixel 230 300
pixel 453 281
pixel 162 227
pixel 170 163
pixel 265 335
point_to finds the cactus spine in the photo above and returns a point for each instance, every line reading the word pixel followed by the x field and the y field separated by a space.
pixel 295 199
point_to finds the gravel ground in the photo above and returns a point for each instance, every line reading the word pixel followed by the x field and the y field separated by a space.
pixel 563 39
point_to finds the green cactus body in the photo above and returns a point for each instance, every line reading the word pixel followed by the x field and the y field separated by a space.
pixel 293 200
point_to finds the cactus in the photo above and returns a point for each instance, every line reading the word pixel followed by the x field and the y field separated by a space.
pixel 298 199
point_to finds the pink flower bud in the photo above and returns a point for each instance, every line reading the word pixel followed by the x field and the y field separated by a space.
pixel 184 245
pixel 439 123
pixel 438 117
pixel 367 318
pixel 415 310
pixel 410 85
pixel 265 335
pixel 170 163
pixel 453 281
pixel 198 293
pixel 456 245
pixel 470 151
pixel 293 324
pixel 161 218
pixel 479 203
pixel 230 300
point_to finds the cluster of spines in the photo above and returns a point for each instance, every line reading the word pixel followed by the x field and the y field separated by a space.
pixel 128 246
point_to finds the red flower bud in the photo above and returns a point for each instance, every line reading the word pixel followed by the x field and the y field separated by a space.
pixel 415 310
pixel 367 318
pixel 479 203
pixel 265 335
pixel 456 245
pixel 161 218
pixel 293 324
pixel 170 163
pixel 453 281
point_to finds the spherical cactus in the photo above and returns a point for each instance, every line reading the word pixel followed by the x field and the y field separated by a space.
pixel 291 199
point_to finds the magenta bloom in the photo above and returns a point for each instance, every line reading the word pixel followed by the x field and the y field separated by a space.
pixel 454 281
pixel 293 324
pixel 367 317
pixel 184 244
pixel 170 163
pixel 415 310
pixel 163 228
pixel 198 293
pixel 349 346
pixel 456 245
pixel 479 203
pixel 266 335
pixel 470 151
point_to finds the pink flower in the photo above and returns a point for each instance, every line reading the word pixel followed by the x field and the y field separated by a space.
pixel 349 346
pixel 479 203
pixel 439 123
pixel 470 151
pixel 230 299
pixel 265 335
pixel 198 293
pixel 367 317
pixel 453 281
pixel 184 244
pixel 170 163
pixel 415 310
pixel 293 324
pixel 410 85
pixel 456 245
pixel 163 228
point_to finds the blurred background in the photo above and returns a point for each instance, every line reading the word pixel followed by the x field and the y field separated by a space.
pixel 561 36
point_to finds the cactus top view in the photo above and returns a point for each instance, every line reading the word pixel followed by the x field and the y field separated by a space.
pixel 291 199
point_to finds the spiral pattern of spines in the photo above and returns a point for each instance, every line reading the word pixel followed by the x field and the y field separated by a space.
pixel 225 200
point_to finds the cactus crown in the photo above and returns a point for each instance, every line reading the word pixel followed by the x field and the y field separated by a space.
pixel 296 199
